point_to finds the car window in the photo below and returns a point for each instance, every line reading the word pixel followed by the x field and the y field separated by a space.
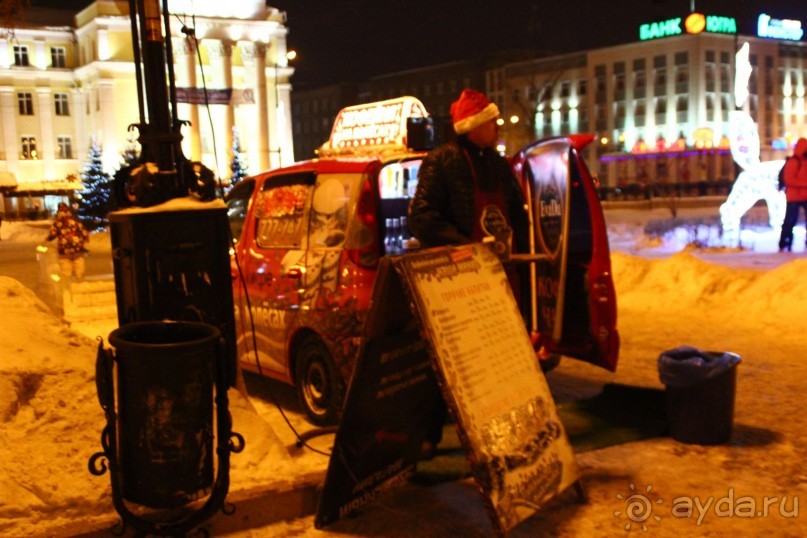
pixel 333 200
pixel 237 201
pixel 280 211
pixel 397 183
pixel 399 179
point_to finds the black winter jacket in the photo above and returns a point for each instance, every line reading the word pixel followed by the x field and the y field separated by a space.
pixel 443 209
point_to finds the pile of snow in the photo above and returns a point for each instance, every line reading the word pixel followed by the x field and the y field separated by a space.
pixel 51 423
pixel 25 231
pixel 690 282
pixel 50 416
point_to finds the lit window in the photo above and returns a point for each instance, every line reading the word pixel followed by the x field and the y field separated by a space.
pixel 57 57
pixel 25 101
pixel 640 80
pixel 21 55
pixel 65 147
pixel 61 103
pixel 28 146
pixel 582 87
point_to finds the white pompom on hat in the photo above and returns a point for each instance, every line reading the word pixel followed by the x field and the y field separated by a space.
pixel 471 110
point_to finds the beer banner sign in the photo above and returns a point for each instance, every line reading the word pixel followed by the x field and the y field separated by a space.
pixel 491 380
pixel 548 205
pixel 198 96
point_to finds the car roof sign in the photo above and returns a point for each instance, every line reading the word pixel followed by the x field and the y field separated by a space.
pixel 377 127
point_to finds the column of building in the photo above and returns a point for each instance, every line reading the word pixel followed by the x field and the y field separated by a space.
pixel 185 54
pixel 8 114
pixel 254 55
pixel 109 140
pixel 40 54
pixel 280 134
pixel 283 127
pixel 78 104
pixel 47 148
pixel 220 53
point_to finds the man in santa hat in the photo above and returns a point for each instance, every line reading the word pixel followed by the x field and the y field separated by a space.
pixel 467 192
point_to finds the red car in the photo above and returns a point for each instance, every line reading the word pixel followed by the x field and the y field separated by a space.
pixel 310 236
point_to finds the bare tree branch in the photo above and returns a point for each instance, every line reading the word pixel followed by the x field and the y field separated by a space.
pixel 11 15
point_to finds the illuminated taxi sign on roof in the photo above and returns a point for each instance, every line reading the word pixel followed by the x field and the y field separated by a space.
pixel 779 28
pixel 694 23
pixel 373 126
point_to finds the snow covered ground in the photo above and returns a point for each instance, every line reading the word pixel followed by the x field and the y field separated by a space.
pixel 752 302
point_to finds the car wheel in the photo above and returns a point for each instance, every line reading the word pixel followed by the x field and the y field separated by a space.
pixel 319 387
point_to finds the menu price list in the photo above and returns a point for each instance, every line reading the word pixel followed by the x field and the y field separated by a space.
pixel 481 339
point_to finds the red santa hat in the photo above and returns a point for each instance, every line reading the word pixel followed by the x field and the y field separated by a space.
pixel 471 110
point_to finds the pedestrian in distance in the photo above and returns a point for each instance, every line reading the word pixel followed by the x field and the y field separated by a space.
pixel 71 238
pixel 794 179
pixel 467 193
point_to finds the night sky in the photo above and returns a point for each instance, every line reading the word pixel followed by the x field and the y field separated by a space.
pixel 349 40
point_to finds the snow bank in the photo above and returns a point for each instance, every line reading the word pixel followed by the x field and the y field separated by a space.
pixel 686 278
pixel 683 282
pixel 51 423
pixel 32 231
pixel 49 414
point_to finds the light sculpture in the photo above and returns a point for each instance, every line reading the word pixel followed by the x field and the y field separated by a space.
pixel 758 180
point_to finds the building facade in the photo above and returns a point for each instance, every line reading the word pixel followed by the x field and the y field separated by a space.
pixel 313 114
pixel 66 87
pixel 660 109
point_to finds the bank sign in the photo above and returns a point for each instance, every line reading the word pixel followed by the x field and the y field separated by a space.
pixel 694 23
pixel 779 28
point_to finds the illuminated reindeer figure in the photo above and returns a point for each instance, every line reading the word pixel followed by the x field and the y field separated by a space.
pixel 758 180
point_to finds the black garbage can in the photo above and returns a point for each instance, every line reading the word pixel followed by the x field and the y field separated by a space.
pixel 166 375
pixel 700 387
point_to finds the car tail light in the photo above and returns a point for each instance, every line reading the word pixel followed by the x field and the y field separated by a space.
pixel 363 249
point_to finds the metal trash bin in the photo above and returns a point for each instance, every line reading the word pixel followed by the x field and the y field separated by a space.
pixel 700 388
pixel 166 376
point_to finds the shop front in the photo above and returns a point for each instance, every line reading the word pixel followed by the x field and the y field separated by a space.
pixel 35 200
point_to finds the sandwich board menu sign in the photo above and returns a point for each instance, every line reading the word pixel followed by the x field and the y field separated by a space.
pixel 484 362
pixel 385 418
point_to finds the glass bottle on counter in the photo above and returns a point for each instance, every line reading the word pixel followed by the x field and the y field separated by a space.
pixel 388 238
pixel 403 234
pixel 395 236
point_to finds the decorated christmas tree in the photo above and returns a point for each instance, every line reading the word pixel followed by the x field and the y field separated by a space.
pixel 238 164
pixel 93 200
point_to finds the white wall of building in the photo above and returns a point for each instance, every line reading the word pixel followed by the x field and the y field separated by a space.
pixel 239 45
